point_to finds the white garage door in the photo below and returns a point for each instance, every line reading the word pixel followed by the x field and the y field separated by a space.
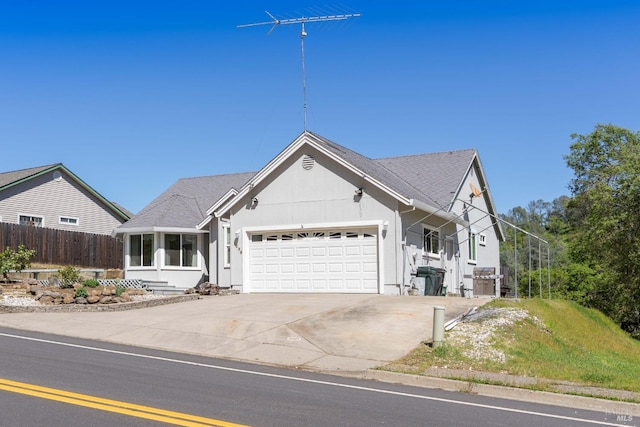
pixel 314 261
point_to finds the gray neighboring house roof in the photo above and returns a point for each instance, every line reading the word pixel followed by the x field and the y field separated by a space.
pixel 11 178
pixel 185 203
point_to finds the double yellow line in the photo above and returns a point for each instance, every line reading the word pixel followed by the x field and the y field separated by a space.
pixel 130 409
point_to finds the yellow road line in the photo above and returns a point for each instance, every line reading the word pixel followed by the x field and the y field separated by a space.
pixel 125 408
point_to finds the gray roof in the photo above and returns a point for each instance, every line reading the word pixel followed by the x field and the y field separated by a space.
pixel 11 177
pixel 436 175
pixel 185 203
pixel 432 178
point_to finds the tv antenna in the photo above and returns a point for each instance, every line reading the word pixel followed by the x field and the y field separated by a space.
pixel 301 20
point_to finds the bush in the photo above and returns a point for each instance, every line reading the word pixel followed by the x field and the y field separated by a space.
pixel 119 290
pixel 81 293
pixel 91 283
pixel 68 276
pixel 15 260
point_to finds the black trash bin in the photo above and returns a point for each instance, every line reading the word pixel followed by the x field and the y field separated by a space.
pixel 433 279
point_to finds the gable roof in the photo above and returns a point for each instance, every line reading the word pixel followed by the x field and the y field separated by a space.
pixel 184 205
pixel 436 176
pixel 12 178
pixel 388 179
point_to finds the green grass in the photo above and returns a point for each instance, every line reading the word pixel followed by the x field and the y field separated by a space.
pixel 574 344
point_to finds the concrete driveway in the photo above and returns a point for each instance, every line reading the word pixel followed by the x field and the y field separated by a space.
pixel 334 332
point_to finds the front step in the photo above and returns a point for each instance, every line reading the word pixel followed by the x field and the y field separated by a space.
pixel 161 288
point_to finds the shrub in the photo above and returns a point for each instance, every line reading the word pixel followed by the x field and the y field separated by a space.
pixel 119 290
pixel 91 283
pixel 15 260
pixel 81 292
pixel 68 276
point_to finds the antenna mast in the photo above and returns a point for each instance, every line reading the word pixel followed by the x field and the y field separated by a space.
pixel 302 20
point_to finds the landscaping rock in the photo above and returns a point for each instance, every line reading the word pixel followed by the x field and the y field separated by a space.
pixel 93 299
pixel 81 300
pixel 106 300
pixel 68 299
pixel 206 288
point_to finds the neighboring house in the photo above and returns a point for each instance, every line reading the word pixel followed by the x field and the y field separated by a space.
pixel 322 218
pixel 54 197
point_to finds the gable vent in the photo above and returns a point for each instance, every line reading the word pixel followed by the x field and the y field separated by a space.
pixel 307 162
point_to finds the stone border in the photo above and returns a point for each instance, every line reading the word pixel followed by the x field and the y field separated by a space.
pixel 123 306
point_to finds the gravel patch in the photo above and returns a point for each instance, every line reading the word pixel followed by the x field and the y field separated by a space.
pixel 18 301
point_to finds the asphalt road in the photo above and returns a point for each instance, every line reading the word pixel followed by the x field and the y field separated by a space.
pixel 59 381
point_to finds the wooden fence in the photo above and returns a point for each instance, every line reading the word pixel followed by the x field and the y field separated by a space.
pixel 63 247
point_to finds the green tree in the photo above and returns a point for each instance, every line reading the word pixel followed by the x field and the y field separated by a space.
pixel 11 260
pixel 605 219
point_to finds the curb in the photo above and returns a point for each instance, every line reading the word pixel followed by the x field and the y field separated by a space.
pixel 503 392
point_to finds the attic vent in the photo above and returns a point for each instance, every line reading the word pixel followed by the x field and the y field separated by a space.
pixel 307 162
pixel 57 176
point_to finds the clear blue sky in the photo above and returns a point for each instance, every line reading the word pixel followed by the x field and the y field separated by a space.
pixel 133 95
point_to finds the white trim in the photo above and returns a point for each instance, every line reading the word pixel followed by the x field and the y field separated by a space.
pixel 247 231
pixel 433 255
pixel 226 242
pixel 162 249
pixel 482 239
pixel 76 219
pixel 210 212
pixel 42 224
pixel 145 230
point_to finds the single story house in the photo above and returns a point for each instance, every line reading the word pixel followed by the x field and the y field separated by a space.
pixel 320 217
pixel 52 196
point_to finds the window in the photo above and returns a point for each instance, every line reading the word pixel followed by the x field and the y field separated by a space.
pixel 431 242
pixel 256 237
pixel 473 247
pixel 34 221
pixel 68 220
pixel 181 250
pixel 482 239
pixel 226 232
pixel 141 250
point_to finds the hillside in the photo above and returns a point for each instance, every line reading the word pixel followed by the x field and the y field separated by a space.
pixel 551 345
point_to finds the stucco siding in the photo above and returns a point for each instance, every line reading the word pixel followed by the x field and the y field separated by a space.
pixel 51 198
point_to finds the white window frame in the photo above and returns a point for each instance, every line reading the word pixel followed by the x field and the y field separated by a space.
pixel 432 232
pixel 153 251
pixel 473 247
pixel 482 239
pixel 181 255
pixel 31 216
pixel 226 245
pixel 68 220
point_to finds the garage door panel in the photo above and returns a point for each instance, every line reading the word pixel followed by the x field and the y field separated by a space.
pixel 352 267
pixel 335 267
pixel 369 267
pixel 315 261
pixel 303 252
pixel 318 251
pixel 303 268
pixel 287 268
pixel 319 267
pixel 287 253
pixel 272 268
